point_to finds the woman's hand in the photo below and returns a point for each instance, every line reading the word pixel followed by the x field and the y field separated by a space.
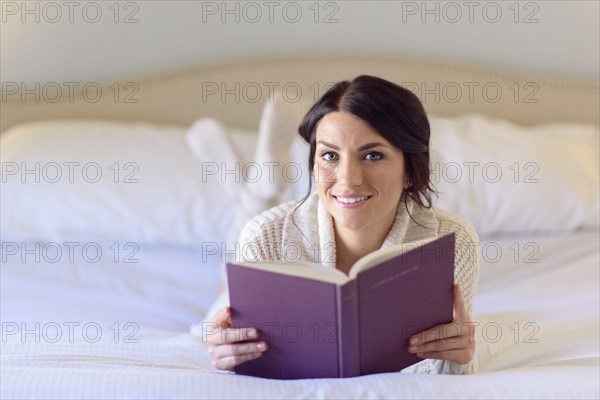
pixel 222 342
pixel 453 342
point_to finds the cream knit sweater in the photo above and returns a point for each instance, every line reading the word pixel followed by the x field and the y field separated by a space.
pixel 295 231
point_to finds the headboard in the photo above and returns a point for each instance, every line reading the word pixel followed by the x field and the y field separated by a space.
pixel 235 92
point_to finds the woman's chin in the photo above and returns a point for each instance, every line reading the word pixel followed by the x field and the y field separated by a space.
pixel 350 223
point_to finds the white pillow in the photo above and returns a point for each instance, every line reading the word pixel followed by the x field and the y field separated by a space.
pixel 280 143
pixel 506 178
pixel 281 159
pixel 107 181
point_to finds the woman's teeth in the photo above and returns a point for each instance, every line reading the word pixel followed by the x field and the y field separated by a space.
pixel 350 200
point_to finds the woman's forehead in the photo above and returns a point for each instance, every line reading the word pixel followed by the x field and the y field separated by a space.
pixel 341 128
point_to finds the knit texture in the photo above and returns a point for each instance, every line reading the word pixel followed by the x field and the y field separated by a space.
pixel 303 232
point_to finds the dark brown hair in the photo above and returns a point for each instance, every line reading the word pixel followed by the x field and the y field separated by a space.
pixel 394 112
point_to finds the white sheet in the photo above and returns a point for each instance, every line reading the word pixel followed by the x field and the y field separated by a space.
pixel 157 288
pixel 558 294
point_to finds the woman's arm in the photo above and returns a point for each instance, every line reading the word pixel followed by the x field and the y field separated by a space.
pixel 229 347
pixel 223 345
pixel 453 342
pixel 451 347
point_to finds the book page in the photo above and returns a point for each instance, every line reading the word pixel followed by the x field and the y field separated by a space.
pixel 377 257
pixel 320 273
pixel 301 269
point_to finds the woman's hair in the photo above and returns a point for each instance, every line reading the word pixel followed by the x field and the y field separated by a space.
pixel 394 112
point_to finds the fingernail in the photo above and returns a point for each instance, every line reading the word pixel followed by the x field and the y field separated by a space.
pixel 252 333
pixel 412 349
pixel 262 346
pixel 414 340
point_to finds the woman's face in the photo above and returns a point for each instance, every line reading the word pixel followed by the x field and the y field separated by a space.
pixel 359 174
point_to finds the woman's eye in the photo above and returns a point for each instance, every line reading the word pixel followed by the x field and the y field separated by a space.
pixel 329 156
pixel 374 156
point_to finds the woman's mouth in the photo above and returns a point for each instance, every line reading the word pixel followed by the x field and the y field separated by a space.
pixel 351 201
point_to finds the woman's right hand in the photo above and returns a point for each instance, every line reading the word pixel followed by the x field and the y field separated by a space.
pixel 223 345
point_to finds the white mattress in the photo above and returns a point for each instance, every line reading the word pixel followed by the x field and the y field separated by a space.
pixel 553 299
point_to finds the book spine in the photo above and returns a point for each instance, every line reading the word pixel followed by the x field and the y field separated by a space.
pixel 347 326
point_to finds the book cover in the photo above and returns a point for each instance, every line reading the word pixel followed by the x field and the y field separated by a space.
pixel 322 329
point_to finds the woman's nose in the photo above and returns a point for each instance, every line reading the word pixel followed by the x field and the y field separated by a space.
pixel 350 173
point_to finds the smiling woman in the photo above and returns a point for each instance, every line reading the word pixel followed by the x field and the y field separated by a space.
pixel 358 134
pixel 369 157
pixel 361 180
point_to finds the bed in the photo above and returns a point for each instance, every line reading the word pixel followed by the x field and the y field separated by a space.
pixel 117 216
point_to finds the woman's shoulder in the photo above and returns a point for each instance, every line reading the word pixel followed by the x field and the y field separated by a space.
pixel 273 221
pixel 276 214
pixel 273 217
pixel 449 222
pixel 466 250
pixel 264 236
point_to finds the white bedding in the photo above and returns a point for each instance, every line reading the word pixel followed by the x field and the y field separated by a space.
pixel 556 293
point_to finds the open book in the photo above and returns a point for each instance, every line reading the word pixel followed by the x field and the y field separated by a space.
pixel 322 323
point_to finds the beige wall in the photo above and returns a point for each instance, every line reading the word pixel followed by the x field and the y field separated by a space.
pixel 558 38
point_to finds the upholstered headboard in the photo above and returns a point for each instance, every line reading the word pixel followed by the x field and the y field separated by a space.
pixel 235 92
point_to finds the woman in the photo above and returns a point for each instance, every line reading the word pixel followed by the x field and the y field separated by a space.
pixel 369 156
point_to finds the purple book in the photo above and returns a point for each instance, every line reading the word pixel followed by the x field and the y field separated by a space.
pixel 323 324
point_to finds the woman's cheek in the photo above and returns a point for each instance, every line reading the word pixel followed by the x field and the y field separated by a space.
pixel 324 174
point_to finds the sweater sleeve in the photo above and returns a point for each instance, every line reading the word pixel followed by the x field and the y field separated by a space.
pixel 466 254
pixel 260 240
pixel 261 237
pixel 466 274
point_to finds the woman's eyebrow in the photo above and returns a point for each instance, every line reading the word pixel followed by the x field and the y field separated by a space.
pixel 328 145
pixel 361 148
pixel 371 145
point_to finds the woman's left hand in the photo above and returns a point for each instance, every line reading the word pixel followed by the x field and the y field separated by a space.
pixel 454 341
